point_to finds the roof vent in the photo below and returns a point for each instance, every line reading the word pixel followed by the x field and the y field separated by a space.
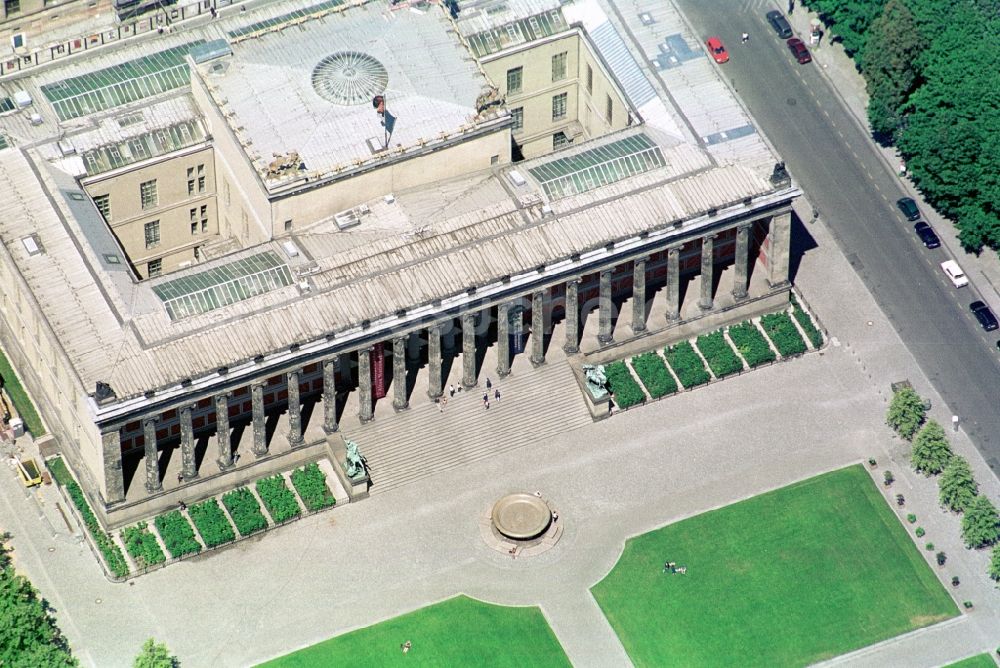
pixel 32 245
pixel 516 178
pixel 351 217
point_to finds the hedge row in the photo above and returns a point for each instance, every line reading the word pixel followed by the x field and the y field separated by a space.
pixel 113 556
pixel 751 344
pixel 687 365
pixel 784 335
pixel 177 534
pixel 310 482
pixel 807 325
pixel 142 545
pixel 653 373
pixel 211 522
pixel 279 500
pixel 22 402
pixel 623 386
pixel 720 357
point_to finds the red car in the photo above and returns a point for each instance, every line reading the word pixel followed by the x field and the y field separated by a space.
pixel 799 50
pixel 718 51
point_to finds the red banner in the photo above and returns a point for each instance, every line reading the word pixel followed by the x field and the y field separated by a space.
pixel 378 370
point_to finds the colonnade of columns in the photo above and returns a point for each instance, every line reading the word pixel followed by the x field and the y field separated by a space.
pixel 441 339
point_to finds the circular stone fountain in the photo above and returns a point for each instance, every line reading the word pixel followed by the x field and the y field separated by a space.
pixel 521 516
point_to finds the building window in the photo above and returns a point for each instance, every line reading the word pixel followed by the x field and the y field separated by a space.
pixel 514 77
pixel 559 106
pixel 13 6
pixel 190 187
pixel 559 66
pixel 518 116
pixel 147 193
pixel 201 178
pixel 609 108
pixel 288 226
pixel 559 140
pixel 103 203
pixel 154 268
pixel 152 230
pixel 590 78
pixel 194 227
pixel 494 159
pixel 204 218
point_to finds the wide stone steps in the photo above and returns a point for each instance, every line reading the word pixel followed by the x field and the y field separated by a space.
pixel 535 405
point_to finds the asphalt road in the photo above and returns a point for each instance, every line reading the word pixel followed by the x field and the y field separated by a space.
pixel 836 164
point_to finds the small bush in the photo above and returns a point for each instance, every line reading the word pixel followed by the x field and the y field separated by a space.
pixel 177 534
pixel 993 570
pixel 967 605
pixel 687 365
pixel 752 344
pixel 720 357
pixel 941 557
pixel 245 511
pixel 783 334
pixel 955 581
pixel 310 482
pixel 920 532
pixel 653 373
pixel 911 518
pixel 929 547
pixel 141 544
pixel 906 413
pixel 931 451
pixel 888 478
pixel 807 325
pixel 211 522
pixel 623 386
pixel 278 499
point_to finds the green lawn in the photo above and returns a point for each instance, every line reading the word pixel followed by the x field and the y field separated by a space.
pixel 22 402
pixel 791 577
pixel 457 632
pixel 977 661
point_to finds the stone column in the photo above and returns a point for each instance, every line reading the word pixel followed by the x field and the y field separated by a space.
pixel 223 440
pixel 330 394
pixel 503 339
pixel 639 297
pixel 434 380
pixel 742 262
pixel 294 409
pixel 538 327
pixel 399 401
pixel 114 482
pixel 707 272
pixel 365 412
pixel 189 468
pixel 572 344
pixel 259 429
pixel 779 249
pixel 673 283
pixel 153 483
pixel 469 349
pixel 604 333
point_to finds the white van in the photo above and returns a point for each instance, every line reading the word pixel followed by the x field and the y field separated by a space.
pixel 954 273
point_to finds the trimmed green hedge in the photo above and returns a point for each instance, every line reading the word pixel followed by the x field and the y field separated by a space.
pixel 310 482
pixel 177 534
pixel 113 556
pixel 211 523
pixel 623 386
pixel 245 511
pixel 22 402
pixel 141 544
pixel 751 344
pixel 719 355
pixel 687 365
pixel 807 324
pixel 784 335
pixel 653 373
pixel 278 499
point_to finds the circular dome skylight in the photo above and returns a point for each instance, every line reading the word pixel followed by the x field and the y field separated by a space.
pixel 349 78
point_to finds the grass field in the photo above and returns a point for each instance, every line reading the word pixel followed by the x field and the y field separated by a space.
pixel 457 632
pixel 790 577
pixel 977 661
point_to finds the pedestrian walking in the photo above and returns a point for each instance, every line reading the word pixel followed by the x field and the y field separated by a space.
pixel 745 38
pixel 180 478
pixel 791 6
pixel 496 394
pixel 451 390
pixel 406 646
pixel 489 383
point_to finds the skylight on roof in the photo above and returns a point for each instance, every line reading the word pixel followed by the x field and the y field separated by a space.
pixel 223 285
pixel 517 32
pixel 598 166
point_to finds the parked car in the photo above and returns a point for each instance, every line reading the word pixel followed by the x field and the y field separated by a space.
pixel 799 50
pixel 927 235
pixel 717 50
pixel 909 208
pixel 984 315
pixel 954 273
pixel 779 23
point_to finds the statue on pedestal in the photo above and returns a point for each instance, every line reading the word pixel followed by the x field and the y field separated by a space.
pixel 597 380
pixel 355 460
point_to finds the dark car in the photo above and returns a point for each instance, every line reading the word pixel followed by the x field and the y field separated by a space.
pixel 779 23
pixel 927 235
pixel 799 50
pixel 908 207
pixel 984 315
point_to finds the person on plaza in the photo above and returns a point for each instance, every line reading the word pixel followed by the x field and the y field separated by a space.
pixel 489 383
pixel 791 6
pixel 745 38
pixel 406 646
pixel 496 394
pixel 451 390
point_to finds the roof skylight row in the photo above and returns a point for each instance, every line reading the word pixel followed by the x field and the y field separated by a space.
pixel 517 32
pixel 156 142
pixel 285 18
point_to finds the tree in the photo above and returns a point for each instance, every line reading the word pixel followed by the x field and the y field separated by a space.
pixel 889 65
pixel 980 524
pixel 957 484
pixel 931 451
pixel 29 636
pixel 906 413
pixel 155 655
pixel 994 568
